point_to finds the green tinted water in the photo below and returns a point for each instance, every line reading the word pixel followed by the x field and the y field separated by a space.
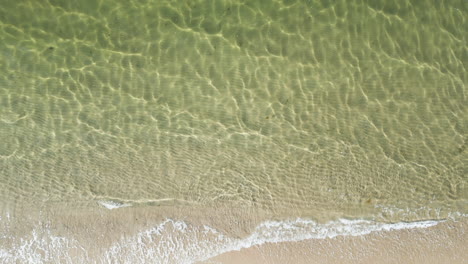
pixel 350 108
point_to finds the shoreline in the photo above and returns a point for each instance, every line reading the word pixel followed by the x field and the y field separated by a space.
pixel 182 234
pixel 441 243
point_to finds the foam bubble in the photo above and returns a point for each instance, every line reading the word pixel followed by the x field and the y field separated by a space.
pixel 113 204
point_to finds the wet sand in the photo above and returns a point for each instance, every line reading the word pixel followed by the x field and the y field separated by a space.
pixel 443 243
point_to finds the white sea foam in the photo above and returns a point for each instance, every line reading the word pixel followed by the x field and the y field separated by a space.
pixel 42 247
pixel 113 204
pixel 175 241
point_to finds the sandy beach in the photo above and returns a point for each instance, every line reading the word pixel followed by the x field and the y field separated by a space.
pixel 443 243
pixel 215 235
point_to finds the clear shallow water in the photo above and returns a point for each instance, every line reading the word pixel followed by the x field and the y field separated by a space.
pixel 352 109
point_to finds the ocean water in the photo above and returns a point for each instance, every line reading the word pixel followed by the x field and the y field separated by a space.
pixel 314 111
